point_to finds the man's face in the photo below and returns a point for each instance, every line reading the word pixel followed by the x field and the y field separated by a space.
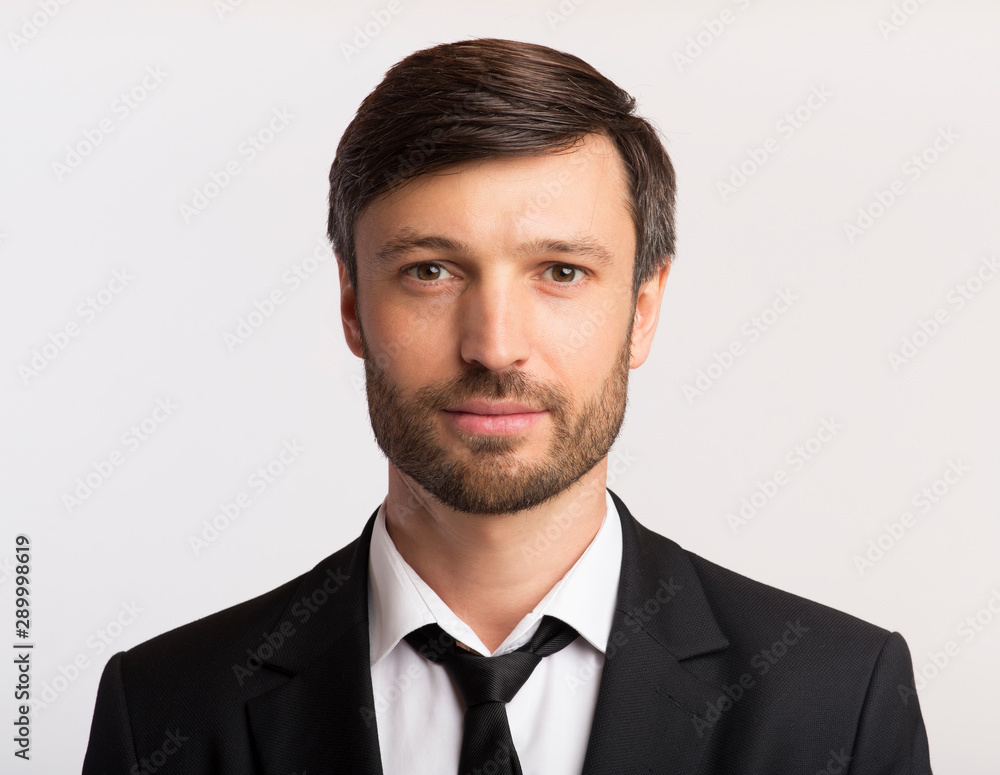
pixel 504 281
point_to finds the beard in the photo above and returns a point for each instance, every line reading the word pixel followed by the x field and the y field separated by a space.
pixel 485 475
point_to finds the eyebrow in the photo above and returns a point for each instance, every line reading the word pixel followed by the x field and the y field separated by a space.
pixel 409 240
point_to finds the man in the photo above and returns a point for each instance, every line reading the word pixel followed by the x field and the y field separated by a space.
pixel 503 224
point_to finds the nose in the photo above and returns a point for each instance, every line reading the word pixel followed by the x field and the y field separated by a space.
pixel 496 323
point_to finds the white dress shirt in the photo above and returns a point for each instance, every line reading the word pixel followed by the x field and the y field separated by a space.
pixel 418 710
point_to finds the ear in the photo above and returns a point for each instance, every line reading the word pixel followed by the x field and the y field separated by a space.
pixel 647 313
pixel 349 312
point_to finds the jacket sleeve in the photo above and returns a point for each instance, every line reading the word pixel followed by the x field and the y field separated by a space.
pixel 110 750
pixel 891 739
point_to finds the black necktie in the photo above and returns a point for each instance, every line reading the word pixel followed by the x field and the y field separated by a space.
pixel 487 684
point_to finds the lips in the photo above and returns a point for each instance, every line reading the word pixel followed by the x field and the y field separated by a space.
pixel 504 417
pixel 502 407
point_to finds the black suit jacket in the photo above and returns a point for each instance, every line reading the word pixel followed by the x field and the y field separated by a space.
pixel 706 671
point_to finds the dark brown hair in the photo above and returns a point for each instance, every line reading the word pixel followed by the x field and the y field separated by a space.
pixel 487 98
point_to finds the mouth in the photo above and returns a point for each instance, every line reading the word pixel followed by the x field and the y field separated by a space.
pixel 503 418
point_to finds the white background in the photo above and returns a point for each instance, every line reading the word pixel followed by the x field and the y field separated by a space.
pixel 692 459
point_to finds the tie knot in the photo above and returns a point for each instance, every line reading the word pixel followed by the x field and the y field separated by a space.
pixel 491 679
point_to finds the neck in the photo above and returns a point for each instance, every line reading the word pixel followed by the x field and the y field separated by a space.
pixel 492 570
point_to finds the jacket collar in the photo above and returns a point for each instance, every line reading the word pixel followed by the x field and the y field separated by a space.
pixel 315 710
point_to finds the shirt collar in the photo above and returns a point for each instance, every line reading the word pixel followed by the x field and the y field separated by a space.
pixel 399 601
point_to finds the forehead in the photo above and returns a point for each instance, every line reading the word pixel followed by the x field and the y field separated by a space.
pixel 498 205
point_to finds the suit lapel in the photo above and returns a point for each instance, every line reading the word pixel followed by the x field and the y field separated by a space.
pixel 315 710
pixel 317 714
pixel 649 706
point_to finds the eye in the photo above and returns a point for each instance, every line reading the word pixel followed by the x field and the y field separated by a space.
pixel 564 273
pixel 427 271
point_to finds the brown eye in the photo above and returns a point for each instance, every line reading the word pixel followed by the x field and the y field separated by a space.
pixel 428 272
pixel 563 273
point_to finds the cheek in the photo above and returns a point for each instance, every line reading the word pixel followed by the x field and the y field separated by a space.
pixel 413 345
pixel 585 341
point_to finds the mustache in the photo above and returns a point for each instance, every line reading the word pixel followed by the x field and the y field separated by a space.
pixel 487 385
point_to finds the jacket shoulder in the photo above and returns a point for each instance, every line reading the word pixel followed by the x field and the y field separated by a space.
pixel 801 681
pixel 210 655
pixel 743 604
pixel 192 682
pixel 220 631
